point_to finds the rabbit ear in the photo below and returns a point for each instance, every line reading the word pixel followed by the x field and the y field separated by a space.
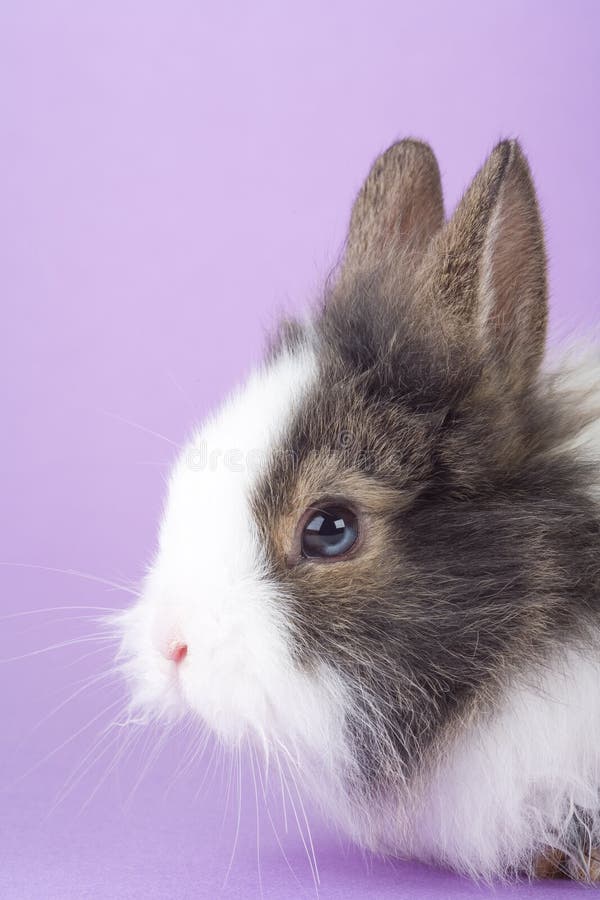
pixel 487 267
pixel 397 211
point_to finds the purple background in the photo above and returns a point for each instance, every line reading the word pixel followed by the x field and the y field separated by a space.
pixel 173 174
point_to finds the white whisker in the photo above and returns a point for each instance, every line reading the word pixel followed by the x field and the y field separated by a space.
pixel 183 393
pixel 86 639
pixel 66 742
pixel 251 755
pixel 311 855
pixel 193 755
pixel 275 832
pixel 208 768
pixel 143 428
pixel 52 609
pixel 152 757
pixel 89 683
pixel 76 573
pixel 283 803
pixel 105 649
pixel 107 738
pixel 131 737
pixel 239 817
pixel 227 793
pixel 110 767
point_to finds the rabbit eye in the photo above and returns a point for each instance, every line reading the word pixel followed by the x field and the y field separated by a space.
pixel 328 532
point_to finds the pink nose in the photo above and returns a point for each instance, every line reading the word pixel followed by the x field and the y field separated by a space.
pixel 177 652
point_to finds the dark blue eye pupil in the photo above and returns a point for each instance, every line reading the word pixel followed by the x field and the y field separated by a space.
pixel 330 531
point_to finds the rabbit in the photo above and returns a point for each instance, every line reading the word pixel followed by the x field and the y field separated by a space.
pixel 380 558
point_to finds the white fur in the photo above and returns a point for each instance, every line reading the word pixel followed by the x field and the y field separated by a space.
pixel 509 785
pixel 208 587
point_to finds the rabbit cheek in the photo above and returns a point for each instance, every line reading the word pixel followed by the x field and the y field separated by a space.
pixel 211 633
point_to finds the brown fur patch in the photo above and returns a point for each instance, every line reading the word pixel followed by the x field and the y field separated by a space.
pixel 550 863
pixel 585 867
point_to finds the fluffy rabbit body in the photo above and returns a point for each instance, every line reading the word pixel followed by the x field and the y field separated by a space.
pixel 380 558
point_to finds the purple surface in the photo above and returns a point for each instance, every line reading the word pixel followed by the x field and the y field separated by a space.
pixel 172 175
